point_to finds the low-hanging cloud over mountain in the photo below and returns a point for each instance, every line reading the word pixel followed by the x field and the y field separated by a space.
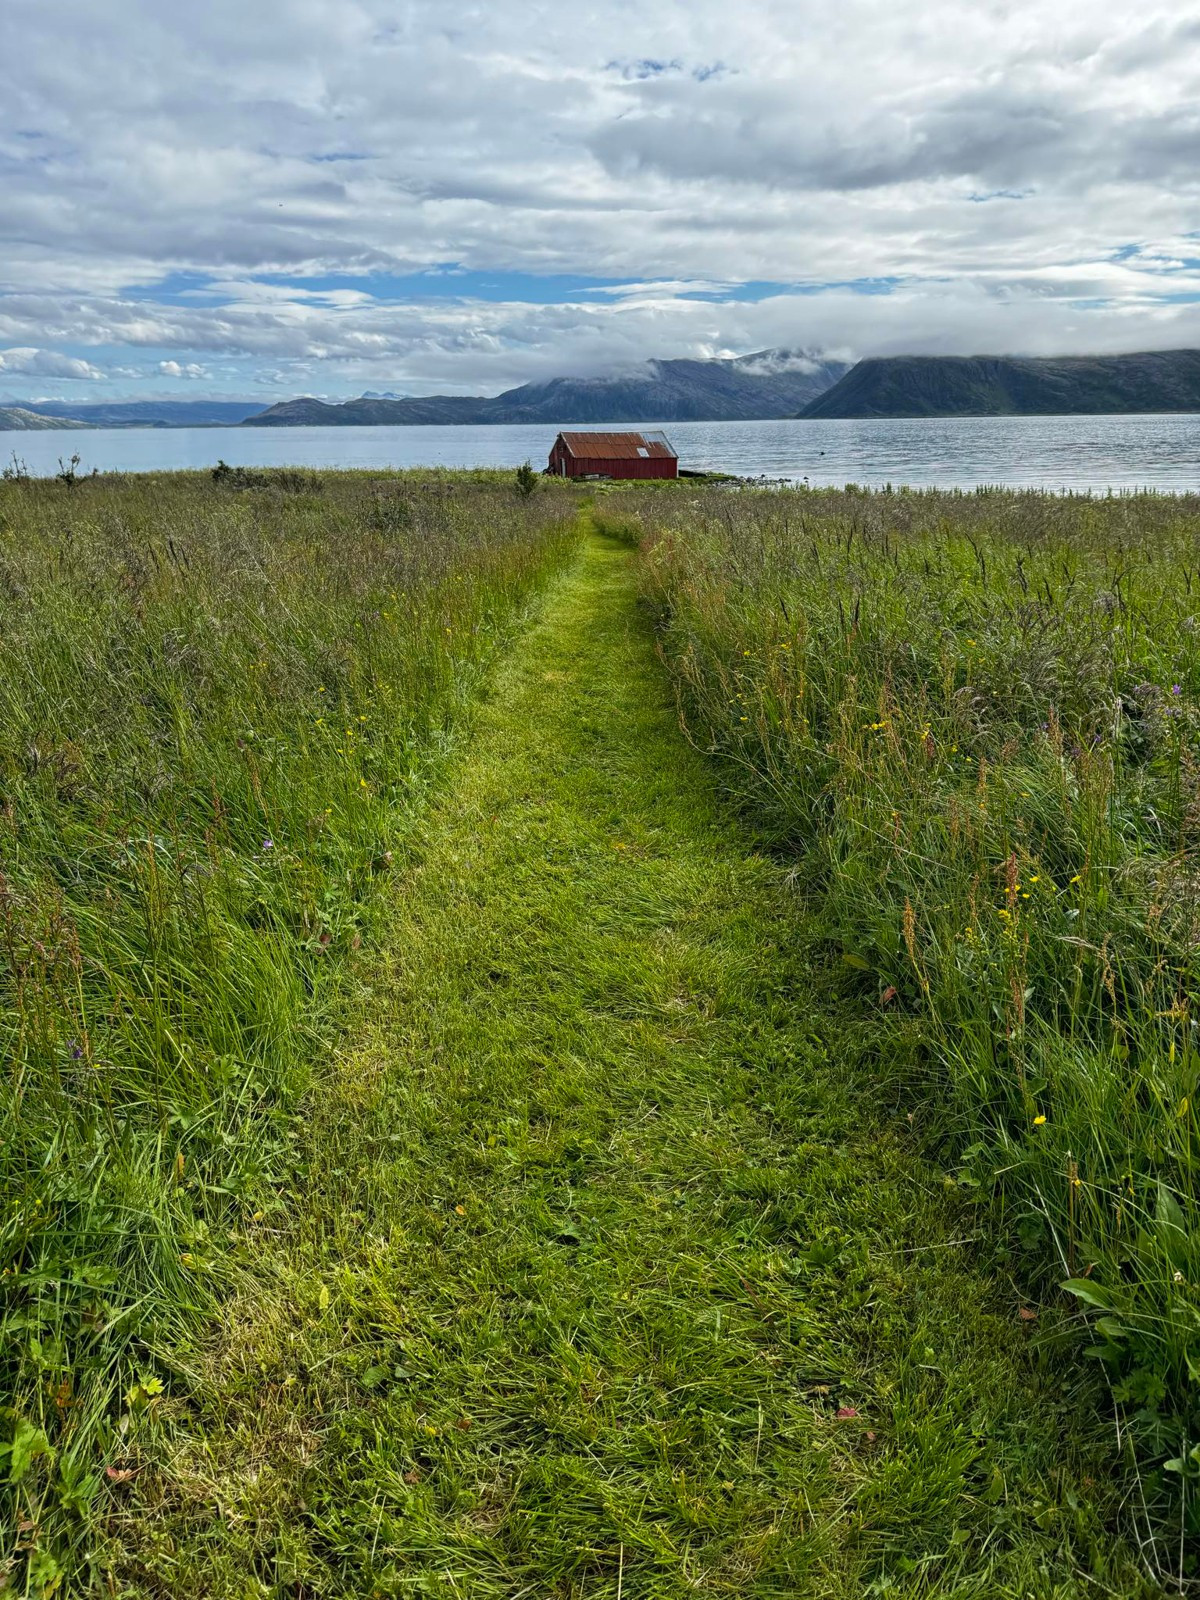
pixel 330 195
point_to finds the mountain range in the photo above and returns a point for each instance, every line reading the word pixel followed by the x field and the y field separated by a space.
pixel 771 383
pixel 149 413
pixel 1000 386
pixel 17 419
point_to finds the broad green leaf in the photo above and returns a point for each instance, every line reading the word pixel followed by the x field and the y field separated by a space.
pixel 1092 1294
pixel 1166 1212
pixel 28 1443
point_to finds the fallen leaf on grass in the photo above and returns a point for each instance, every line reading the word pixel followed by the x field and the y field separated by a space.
pixel 120 1474
pixel 846 1412
pixel 1026 1315
pixel 888 995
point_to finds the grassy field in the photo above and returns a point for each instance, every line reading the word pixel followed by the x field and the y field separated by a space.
pixel 447 1150
pixel 974 724
pixel 220 704
pixel 608 1273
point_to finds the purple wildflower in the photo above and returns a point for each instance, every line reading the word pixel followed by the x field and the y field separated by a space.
pixel 1175 689
pixel 76 1050
pixel 268 844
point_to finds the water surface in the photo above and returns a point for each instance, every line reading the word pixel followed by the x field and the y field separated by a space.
pixel 1097 453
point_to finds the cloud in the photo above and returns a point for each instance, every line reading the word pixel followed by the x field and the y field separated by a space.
pixel 234 194
pixel 32 363
pixel 486 346
pixel 767 363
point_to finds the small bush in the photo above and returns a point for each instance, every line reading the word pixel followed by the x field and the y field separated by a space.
pixel 288 480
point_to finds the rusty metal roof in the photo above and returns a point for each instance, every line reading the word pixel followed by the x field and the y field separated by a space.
pixel 617 446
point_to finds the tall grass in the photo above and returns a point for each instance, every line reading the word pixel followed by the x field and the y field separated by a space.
pixel 219 698
pixel 975 720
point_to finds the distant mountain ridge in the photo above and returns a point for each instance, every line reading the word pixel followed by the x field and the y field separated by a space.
pixel 150 413
pixel 1000 386
pixel 17 419
pixel 771 383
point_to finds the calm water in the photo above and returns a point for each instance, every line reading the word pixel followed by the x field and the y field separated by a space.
pixel 1097 453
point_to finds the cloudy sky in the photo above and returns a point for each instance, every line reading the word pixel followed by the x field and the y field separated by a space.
pixel 266 197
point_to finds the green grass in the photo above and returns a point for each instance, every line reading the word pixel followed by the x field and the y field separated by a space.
pixel 609 1266
pixel 973 722
pixel 221 703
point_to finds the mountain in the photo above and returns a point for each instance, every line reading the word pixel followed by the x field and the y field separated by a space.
pixel 308 413
pixel 1000 386
pixel 17 419
pixel 152 413
pixel 772 383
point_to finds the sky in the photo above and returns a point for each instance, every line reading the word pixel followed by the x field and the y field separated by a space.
pixel 261 198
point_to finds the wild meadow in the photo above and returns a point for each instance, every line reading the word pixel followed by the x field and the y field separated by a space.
pixel 972 721
pixel 446 1164
pixel 221 697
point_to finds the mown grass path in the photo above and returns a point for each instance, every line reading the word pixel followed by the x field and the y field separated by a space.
pixel 610 1278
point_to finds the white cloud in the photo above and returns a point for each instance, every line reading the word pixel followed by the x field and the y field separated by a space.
pixel 1018 176
pixel 31 362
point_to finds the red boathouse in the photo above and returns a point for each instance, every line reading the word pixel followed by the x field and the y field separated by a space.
pixel 613 455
